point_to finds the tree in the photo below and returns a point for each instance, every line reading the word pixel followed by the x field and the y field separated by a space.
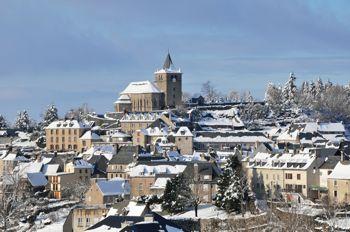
pixel 15 200
pixel 79 113
pixel 23 121
pixel 177 194
pixel 273 98
pixel 49 116
pixel 289 91
pixel 233 96
pixel 186 96
pixel 3 122
pixel 209 92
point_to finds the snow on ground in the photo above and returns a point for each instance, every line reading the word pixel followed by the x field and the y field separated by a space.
pixel 303 209
pixel 58 218
pixel 204 211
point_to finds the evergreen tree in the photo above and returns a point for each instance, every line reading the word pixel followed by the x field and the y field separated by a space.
pixel 233 190
pixel 3 123
pixel 177 195
pixel 23 122
pixel 49 116
pixel 289 91
pixel 226 179
pixel 319 88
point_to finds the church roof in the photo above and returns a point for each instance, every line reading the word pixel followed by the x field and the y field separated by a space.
pixel 168 63
pixel 141 87
pixel 168 66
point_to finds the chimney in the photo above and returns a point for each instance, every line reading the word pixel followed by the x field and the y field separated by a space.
pixel 149 218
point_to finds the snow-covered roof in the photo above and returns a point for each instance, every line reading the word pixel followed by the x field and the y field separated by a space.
pixel 89 135
pixel 146 170
pixel 141 87
pixel 14 157
pixel 288 136
pixel 123 99
pixel 32 167
pixel 331 127
pixel 155 131
pixel 232 139
pixel 119 134
pixel 135 209
pixel 80 163
pixel 341 171
pixel 160 182
pixel 37 179
pixel 282 161
pixel 67 124
pixel 141 116
pixel 50 169
pixel 183 131
pixel 116 186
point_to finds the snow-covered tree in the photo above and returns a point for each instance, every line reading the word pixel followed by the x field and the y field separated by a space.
pixel 289 91
pixel 49 116
pixel 319 88
pixel 177 195
pixel 233 191
pixel 273 98
pixel 3 122
pixel 23 121
pixel 16 200
pixel 209 92
pixel 233 96
pixel 79 113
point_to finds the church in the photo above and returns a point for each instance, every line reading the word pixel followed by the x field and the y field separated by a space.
pixel 146 96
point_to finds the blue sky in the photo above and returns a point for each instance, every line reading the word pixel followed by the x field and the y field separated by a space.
pixel 72 52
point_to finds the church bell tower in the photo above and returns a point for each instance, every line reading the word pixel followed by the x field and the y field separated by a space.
pixel 169 80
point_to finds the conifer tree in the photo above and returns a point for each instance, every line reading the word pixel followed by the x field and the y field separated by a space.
pixel 23 122
pixel 3 123
pixel 49 116
pixel 177 195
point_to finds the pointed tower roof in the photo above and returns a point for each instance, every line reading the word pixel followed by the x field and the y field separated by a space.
pixel 168 63
pixel 168 66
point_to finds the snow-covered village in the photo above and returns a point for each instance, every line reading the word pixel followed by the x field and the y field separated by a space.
pixel 175 149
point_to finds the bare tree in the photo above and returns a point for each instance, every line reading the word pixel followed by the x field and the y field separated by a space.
pixel 79 113
pixel 76 191
pixel 209 92
pixel 233 96
pixel 16 200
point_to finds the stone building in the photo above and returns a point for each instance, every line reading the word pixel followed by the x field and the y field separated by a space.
pixel 145 96
pixel 63 135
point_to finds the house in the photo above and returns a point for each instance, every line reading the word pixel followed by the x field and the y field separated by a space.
pixel 132 122
pixel 82 217
pixel 117 166
pixel 184 140
pixel 37 181
pixel 107 191
pixel 339 182
pixel 87 140
pixel 227 140
pixel 287 172
pixel 80 168
pixel 61 183
pixel 63 135
pixel 326 170
pixel 9 161
pixel 143 176
pixel 150 222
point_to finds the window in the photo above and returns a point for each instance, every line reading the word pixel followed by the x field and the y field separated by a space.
pixel 335 183
pixel 289 176
pixel 80 222
pixel 140 187
pixel 335 193
pixel 51 139
pixel 298 176
pixel 69 132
